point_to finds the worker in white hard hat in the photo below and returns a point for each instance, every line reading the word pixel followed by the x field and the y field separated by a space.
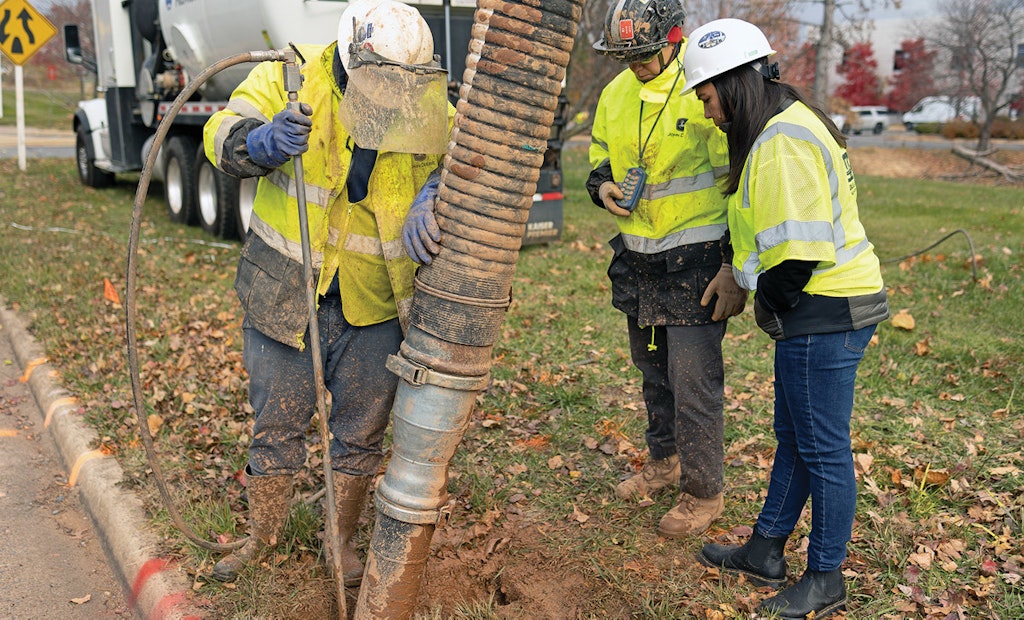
pixel 670 271
pixel 799 242
pixel 372 131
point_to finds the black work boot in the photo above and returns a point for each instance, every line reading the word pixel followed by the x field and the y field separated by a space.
pixel 819 593
pixel 761 559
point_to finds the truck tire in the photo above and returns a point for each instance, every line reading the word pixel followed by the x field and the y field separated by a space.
pixel 216 198
pixel 88 173
pixel 243 207
pixel 180 180
pixel 878 128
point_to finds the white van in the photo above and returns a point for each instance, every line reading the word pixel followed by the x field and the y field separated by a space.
pixel 942 109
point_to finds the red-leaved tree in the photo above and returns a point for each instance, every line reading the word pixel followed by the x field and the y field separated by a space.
pixel 862 86
pixel 914 75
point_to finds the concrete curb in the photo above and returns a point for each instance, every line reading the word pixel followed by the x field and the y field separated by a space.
pixel 154 587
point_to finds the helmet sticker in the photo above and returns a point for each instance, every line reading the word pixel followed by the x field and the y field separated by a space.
pixel 711 39
pixel 626 29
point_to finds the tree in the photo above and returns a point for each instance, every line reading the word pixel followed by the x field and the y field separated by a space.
pixel 829 30
pixel 59 13
pixel 979 41
pixel 862 86
pixel 800 71
pixel 914 76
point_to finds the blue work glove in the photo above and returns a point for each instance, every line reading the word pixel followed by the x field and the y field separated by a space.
pixel 420 234
pixel 287 135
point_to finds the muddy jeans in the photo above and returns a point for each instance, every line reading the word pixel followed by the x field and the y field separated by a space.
pixel 684 377
pixel 281 392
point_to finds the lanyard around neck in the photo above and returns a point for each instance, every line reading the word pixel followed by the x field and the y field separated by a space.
pixel 640 121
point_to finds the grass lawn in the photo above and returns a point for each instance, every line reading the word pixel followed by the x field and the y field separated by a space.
pixel 937 433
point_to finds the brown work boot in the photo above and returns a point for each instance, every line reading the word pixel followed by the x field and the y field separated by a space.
pixel 691 515
pixel 349 497
pixel 270 497
pixel 657 474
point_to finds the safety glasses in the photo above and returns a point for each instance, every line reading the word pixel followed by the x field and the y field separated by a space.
pixel 635 59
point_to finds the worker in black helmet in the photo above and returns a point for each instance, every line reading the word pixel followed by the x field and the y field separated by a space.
pixel 670 270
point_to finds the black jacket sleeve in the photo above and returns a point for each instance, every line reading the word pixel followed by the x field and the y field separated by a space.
pixel 598 176
pixel 779 288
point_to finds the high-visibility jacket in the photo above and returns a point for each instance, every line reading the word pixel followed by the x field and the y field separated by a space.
pixel 684 154
pixel 360 243
pixel 798 201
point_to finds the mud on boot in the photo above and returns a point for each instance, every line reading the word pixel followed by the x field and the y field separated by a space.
pixel 657 475
pixel 270 498
pixel 761 559
pixel 820 593
pixel 690 516
pixel 349 497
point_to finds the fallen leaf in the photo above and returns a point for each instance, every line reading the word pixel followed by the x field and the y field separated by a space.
pixel 578 515
pixel 862 462
pixel 154 422
pixel 903 320
pixel 110 293
pixel 555 462
pixel 930 477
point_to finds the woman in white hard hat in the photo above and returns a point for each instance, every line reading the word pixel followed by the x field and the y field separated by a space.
pixel 799 242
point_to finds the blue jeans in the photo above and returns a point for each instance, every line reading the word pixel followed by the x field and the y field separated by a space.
pixel 282 393
pixel 814 384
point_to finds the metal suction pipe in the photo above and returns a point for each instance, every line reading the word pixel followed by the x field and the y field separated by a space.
pixel 514 72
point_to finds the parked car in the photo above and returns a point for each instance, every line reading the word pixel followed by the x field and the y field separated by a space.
pixel 840 120
pixel 871 118
pixel 942 109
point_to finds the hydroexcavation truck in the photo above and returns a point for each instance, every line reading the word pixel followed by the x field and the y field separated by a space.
pixel 147 51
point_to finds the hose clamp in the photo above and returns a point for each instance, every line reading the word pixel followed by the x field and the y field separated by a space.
pixel 418 375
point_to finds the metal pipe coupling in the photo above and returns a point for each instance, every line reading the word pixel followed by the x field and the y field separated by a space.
pixel 429 417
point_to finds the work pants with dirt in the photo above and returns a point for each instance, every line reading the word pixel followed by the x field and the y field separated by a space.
pixel 683 382
pixel 283 395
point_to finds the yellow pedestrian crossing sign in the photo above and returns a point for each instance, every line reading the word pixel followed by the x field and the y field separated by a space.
pixel 23 30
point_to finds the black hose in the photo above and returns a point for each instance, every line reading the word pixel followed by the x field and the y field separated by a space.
pixel 130 306
pixel 958 231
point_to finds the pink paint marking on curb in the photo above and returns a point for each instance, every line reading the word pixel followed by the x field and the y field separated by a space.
pixel 148 569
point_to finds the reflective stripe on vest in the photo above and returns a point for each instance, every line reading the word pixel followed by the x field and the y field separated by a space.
pixel 810 233
pixel 683 156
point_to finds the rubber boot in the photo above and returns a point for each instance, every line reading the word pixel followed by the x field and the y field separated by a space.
pixel 349 497
pixel 817 593
pixel 269 500
pixel 657 475
pixel 761 559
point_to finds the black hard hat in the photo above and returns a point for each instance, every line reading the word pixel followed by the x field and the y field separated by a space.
pixel 637 29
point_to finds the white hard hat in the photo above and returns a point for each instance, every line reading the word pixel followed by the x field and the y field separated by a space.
pixel 720 46
pixel 393 30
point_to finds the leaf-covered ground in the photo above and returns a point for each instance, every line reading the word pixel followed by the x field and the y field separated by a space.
pixel 535 530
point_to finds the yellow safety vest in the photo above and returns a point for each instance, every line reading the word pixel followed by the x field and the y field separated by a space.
pixel 685 156
pixel 801 205
pixel 359 242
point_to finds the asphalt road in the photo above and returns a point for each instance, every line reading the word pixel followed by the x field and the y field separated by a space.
pixel 39 143
pixel 52 564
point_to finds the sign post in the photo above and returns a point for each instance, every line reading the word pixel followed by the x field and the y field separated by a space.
pixel 23 30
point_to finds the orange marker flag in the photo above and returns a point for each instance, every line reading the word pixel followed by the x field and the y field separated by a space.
pixel 110 293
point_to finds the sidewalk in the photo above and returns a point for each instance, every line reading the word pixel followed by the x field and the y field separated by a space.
pixel 36 137
pixel 153 587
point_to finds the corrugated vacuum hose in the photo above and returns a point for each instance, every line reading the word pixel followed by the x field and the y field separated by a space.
pixel 514 71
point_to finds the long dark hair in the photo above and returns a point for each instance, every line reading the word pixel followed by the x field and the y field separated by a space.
pixel 749 101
